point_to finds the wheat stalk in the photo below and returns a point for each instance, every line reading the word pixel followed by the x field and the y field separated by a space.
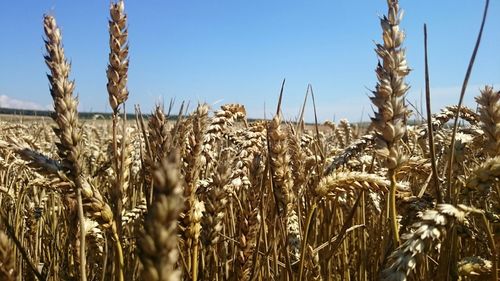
pixel 66 117
pixel 118 93
pixel 389 99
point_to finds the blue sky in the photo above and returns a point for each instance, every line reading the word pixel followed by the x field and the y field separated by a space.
pixel 226 51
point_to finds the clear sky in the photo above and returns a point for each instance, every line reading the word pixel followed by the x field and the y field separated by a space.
pixel 238 51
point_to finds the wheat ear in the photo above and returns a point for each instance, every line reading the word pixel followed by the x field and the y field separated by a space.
pixel 345 182
pixel 66 117
pixel 489 114
pixel 475 268
pixel 158 246
pixel 449 112
pixel 118 56
pixel 425 234
pixel 194 208
pixel 349 152
pixel 389 99
pixel 216 200
pixel 158 141
pixel 118 94
pixel 485 175
pixel 279 159
pixel 7 259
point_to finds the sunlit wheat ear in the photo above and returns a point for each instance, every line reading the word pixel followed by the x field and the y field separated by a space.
pixel 339 136
pixel 485 176
pixel 158 245
pixel 138 148
pixel 425 235
pixel 65 105
pixel 252 141
pixel 344 132
pixel 193 158
pixel 219 126
pixel 475 268
pixel 158 139
pixel 330 124
pixel 7 259
pixel 313 264
pixel 389 100
pixel 389 94
pixel 279 158
pixel 216 200
pixel 158 135
pixel 126 159
pixel 297 162
pixel 66 117
pixel 247 243
pixel 135 214
pixel 344 182
pixel 489 114
pixel 349 152
pixel 467 114
pixel 95 206
pixel 118 56
pixel 193 207
pixel 285 198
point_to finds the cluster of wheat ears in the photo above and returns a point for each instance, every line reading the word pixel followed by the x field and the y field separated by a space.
pixel 207 195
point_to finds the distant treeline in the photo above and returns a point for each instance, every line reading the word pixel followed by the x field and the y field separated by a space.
pixel 47 113
pixel 81 115
pixel 130 116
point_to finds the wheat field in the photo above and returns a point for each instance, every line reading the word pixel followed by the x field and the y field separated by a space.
pixel 204 194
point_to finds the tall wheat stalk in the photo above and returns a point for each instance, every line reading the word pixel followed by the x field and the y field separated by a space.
pixel 388 98
pixel 118 94
pixel 66 117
